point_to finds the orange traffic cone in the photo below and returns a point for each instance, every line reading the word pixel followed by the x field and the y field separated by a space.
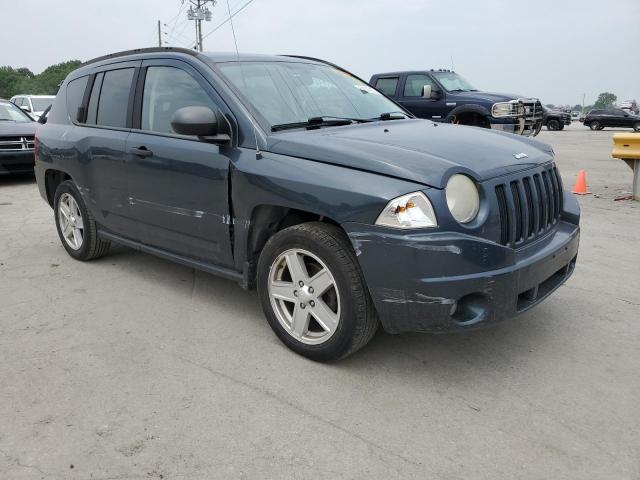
pixel 580 188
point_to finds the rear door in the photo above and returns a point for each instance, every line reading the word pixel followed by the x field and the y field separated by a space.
pixel 104 126
pixel 388 85
pixel 178 185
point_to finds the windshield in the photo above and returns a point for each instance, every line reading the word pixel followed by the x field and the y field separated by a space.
pixel 41 104
pixel 10 113
pixel 453 82
pixel 288 92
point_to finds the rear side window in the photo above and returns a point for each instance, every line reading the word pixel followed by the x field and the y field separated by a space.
pixel 167 89
pixel 75 94
pixel 387 85
pixel 92 108
pixel 114 98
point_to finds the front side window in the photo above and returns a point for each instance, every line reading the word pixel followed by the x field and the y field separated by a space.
pixel 11 113
pixel 387 85
pixel 292 92
pixel 414 84
pixel 114 98
pixel 167 89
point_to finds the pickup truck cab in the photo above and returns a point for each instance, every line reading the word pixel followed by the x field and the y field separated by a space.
pixel 445 96
pixel 293 176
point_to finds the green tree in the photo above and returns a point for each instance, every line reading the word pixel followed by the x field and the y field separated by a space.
pixel 577 107
pixel 23 80
pixel 605 100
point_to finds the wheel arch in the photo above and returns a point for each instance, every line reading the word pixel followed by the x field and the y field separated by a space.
pixel 53 178
pixel 467 110
pixel 265 221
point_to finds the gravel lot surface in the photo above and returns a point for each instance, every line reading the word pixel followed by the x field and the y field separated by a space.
pixel 132 367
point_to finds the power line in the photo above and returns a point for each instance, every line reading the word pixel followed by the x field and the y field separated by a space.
pixel 229 18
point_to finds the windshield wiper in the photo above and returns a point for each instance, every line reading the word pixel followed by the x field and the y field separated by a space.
pixel 459 90
pixel 317 122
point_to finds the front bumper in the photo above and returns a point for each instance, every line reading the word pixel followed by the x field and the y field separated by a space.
pixel 438 282
pixel 20 161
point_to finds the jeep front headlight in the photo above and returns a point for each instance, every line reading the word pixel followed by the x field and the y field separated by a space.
pixel 413 210
pixel 463 198
pixel 507 109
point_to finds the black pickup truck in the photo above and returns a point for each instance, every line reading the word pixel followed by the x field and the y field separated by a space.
pixel 444 96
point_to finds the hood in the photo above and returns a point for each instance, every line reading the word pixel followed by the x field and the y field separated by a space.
pixel 18 128
pixel 416 150
pixel 484 96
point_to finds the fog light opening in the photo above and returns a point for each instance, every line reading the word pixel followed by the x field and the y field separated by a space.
pixel 470 309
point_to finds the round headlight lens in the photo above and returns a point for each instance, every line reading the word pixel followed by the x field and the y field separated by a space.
pixel 463 199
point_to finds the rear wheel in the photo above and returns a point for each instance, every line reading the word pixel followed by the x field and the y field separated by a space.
pixel 76 226
pixel 313 293
pixel 595 125
pixel 636 127
pixel 553 125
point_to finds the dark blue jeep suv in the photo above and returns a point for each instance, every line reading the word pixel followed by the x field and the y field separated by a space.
pixel 444 96
pixel 291 175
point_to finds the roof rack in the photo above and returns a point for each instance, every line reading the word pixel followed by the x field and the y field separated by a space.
pixel 141 50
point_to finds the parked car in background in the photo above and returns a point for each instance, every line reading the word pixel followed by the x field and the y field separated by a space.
pixel 294 176
pixel 17 130
pixel 444 96
pixel 611 117
pixel 34 105
pixel 555 119
pixel 575 115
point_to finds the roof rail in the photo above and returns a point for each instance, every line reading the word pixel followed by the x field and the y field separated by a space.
pixel 141 50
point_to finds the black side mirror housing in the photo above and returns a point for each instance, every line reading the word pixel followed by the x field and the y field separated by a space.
pixel 201 122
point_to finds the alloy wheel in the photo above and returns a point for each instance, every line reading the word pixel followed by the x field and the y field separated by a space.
pixel 304 296
pixel 70 220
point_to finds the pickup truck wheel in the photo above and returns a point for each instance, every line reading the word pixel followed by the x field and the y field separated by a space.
pixel 561 127
pixel 75 224
pixel 595 125
pixel 313 293
pixel 553 125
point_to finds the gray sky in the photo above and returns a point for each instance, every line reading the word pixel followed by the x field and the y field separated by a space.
pixel 553 49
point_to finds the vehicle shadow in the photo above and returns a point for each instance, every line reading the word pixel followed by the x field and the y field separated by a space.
pixel 17 179
pixel 452 356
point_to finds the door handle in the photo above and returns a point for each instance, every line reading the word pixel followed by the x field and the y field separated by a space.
pixel 140 152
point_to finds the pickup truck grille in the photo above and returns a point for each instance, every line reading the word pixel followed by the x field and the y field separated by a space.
pixel 529 206
pixel 532 116
pixel 18 143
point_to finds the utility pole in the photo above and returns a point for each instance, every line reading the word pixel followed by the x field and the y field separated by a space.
pixel 199 13
pixel 583 95
pixel 159 34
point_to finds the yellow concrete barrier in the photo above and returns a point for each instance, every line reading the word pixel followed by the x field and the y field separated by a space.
pixel 626 146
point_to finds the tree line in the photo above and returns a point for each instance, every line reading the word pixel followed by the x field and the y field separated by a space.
pixel 22 80
pixel 605 100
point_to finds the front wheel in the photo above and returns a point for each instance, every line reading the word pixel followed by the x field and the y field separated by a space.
pixel 595 125
pixel 313 293
pixel 636 127
pixel 553 125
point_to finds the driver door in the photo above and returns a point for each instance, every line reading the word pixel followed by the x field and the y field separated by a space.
pixel 411 97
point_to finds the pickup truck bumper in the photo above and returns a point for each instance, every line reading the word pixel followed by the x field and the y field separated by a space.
pixel 439 282
pixel 20 161
pixel 518 126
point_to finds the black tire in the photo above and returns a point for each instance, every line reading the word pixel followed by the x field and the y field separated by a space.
pixel 358 320
pixel 636 127
pixel 561 126
pixel 553 125
pixel 91 247
pixel 595 125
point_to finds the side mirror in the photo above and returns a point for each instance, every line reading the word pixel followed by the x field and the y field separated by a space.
pixel 426 91
pixel 26 108
pixel 201 122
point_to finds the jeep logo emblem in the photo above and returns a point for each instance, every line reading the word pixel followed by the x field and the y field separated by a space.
pixel 520 156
